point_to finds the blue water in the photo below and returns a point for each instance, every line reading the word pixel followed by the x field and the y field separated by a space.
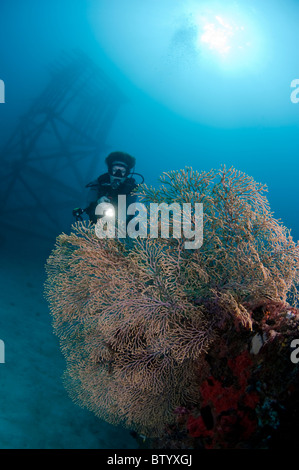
pixel 189 102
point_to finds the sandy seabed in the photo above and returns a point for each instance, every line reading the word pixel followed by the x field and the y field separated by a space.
pixel 35 409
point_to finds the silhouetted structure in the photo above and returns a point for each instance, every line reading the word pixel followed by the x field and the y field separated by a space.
pixel 56 147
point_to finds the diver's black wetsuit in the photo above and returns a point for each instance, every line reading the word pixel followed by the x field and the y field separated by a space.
pixel 102 187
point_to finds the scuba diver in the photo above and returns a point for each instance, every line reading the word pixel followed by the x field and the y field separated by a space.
pixel 107 187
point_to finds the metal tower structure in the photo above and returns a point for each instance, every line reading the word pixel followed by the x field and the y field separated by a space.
pixel 57 146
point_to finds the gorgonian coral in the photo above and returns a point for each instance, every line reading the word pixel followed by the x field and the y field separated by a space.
pixel 137 319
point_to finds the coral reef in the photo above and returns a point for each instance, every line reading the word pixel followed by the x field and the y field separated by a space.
pixel 174 343
pixel 249 399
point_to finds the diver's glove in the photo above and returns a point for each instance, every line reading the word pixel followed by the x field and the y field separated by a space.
pixel 78 213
